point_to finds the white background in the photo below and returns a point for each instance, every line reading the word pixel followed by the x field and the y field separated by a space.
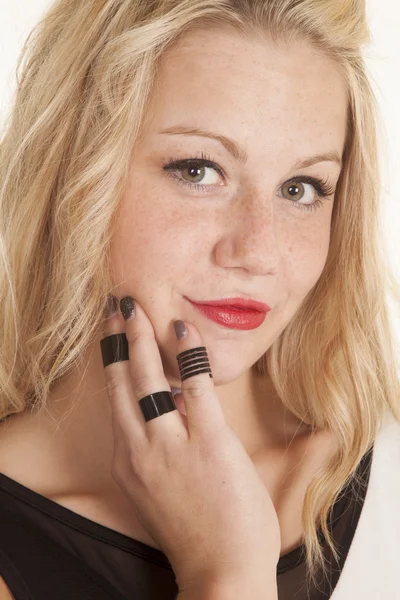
pixel 383 60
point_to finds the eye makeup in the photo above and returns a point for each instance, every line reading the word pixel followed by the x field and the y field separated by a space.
pixel 174 168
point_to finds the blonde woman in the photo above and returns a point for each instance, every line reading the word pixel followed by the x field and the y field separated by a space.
pixel 199 393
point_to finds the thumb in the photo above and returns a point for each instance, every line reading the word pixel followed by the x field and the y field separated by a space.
pixel 202 406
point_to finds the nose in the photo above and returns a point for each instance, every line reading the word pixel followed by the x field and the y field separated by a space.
pixel 250 238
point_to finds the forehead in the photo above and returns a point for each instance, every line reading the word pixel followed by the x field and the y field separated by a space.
pixel 254 90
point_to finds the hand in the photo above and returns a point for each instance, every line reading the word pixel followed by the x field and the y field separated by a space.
pixel 194 487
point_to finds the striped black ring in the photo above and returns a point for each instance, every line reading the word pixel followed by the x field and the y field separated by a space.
pixel 193 362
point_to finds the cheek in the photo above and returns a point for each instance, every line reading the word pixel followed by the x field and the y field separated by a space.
pixel 305 259
pixel 152 242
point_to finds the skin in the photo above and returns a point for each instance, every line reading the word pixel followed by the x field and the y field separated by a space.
pixel 240 237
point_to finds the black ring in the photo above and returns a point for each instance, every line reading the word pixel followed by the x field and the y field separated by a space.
pixel 114 348
pixel 155 405
pixel 193 362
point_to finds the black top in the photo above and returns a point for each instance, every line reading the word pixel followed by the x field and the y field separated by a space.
pixel 48 552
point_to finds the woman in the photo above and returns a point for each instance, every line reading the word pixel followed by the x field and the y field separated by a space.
pixel 161 155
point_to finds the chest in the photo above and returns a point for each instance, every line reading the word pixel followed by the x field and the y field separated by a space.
pixel 287 475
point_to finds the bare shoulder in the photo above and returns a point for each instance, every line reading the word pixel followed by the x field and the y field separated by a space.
pixel 5 593
pixel 21 446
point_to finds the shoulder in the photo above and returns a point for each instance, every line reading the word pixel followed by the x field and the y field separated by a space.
pixel 5 593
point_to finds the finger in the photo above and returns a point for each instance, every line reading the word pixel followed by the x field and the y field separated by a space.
pixel 203 409
pixel 126 413
pixel 147 373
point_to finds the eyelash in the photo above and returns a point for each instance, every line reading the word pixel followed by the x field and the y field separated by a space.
pixel 321 186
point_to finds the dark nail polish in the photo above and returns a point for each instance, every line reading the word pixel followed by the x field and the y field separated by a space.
pixel 127 306
pixel 112 306
pixel 180 329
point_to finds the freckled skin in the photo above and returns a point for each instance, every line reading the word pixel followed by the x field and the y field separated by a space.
pixel 242 236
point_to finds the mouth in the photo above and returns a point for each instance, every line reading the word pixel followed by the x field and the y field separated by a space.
pixel 232 317
pixel 240 303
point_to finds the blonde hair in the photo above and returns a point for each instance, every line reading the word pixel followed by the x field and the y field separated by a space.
pixel 85 78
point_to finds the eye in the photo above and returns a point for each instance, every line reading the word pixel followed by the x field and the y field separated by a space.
pixel 203 175
pixel 196 172
pixel 296 190
pixel 306 192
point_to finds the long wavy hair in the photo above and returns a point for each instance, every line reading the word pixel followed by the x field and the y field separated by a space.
pixel 84 80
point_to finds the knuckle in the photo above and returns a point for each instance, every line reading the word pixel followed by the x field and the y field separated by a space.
pixel 194 388
pixel 113 381
pixel 143 384
pixel 133 335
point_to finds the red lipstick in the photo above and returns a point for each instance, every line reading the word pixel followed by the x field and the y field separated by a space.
pixel 234 313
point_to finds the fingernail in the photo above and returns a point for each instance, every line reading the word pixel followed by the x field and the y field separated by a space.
pixel 180 329
pixel 112 306
pixel 127 306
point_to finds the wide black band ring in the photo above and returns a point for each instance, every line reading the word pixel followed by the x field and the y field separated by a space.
pixel 114 348
pixel 157 404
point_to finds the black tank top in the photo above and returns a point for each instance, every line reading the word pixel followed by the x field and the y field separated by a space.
pixel 48 552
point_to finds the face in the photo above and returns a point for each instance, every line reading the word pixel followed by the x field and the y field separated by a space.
pixel 243 218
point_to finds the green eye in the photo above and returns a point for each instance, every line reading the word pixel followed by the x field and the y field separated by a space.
pixel 305 193
pixel 195 174
pixel 198 173
pixel 293 191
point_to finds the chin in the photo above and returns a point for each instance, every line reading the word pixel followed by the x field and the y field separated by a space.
pixel 224 374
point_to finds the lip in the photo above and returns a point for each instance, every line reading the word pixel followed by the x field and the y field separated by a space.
pixel 233 317
pixel 242 303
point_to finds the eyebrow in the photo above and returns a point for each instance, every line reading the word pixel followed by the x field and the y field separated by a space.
pixel 239 153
